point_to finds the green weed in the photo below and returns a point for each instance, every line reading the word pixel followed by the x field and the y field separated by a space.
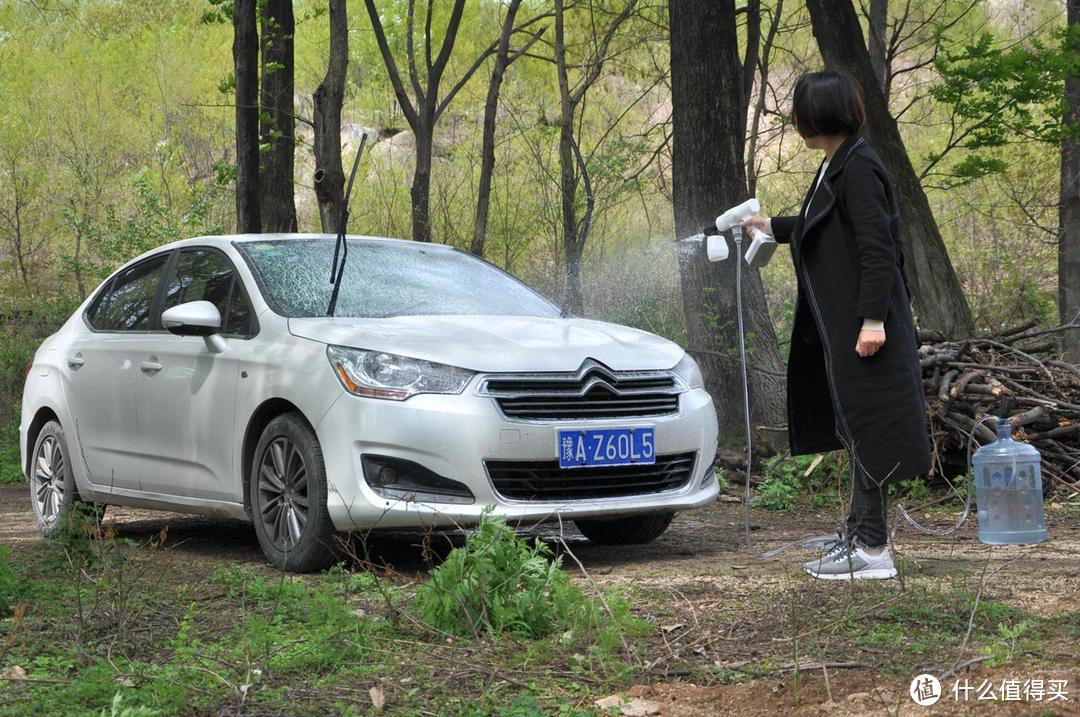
pixel 784 478
pixel 9 582
pixel 497 583
pixel 118 709
pixel 1009 641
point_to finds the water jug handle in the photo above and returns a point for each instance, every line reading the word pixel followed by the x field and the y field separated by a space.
pixel 1005 407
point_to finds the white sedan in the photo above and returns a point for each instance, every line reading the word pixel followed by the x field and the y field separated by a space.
pixel 206 377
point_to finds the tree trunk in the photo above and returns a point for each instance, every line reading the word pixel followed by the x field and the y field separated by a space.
pixel 573 301
pixel 1069 206
pixel 877 27
pixel 707 177
pixel 328 99
pixel 750 54
pixel 939 299
pixel 277 127
pixel 421 184
pixel 487 150
pixel 246 69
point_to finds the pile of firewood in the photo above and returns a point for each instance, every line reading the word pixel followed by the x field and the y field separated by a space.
pixel 1015 374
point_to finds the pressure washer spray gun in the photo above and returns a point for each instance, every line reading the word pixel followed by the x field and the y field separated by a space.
pixel 762 246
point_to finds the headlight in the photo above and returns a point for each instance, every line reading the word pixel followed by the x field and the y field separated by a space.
pixel 382 375
pixel 688 371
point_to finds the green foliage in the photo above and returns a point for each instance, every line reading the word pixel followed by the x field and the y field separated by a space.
pixel 118 709
pixel 497 583
pixel 781 483
pixel 9 582
pixel 10 468
pixel 784 478
pixel 220 12
pixel 1008 642
pixel 913 489
pixel 722 480
pixel 154 221
pixel 999 93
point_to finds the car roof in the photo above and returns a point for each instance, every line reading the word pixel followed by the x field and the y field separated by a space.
pixel 225 239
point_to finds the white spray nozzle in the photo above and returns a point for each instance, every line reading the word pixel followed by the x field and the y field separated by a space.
pixel 737 214
pixel 716 247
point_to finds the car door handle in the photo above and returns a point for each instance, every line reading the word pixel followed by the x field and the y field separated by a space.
pixel 75 361
pixel 150 366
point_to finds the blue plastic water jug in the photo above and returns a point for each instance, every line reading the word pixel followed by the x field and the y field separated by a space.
pixel 1008 490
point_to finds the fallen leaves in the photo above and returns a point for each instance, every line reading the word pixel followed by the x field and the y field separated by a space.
pixel 378 698
pixel 13 673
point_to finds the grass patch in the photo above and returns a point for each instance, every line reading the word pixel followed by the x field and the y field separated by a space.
pixel 10 470
pixel 111 626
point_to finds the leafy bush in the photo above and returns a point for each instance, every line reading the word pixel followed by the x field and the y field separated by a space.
pixel 913 489
pixel 117 709
pixel 9 582
pixel 499 583
pixel 10 470
pixel 784 478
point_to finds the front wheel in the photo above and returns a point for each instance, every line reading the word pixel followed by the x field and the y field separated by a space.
pixel 288 497
pixel 630 530
pixel 53 494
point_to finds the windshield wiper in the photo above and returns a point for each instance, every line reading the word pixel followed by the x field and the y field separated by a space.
pixel 341 245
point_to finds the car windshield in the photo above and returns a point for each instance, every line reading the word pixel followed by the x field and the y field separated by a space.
pixel 384 279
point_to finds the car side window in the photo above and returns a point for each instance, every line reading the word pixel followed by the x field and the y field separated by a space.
pixel 207 275
pixel 200 275
pixel 126 304
pixel 238 322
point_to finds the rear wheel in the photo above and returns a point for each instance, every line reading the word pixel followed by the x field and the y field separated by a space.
pixel 53 494
pixel 288 497
pixel 629 530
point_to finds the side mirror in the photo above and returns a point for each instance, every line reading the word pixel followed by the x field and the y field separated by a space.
pixel 195 318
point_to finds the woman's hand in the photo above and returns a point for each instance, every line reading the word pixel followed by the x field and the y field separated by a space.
pixel 869 343
pixel 762 224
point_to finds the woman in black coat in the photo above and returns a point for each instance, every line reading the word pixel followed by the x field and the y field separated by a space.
pixel 854 379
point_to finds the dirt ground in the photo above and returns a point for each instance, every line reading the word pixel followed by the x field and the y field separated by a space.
pixel 718 607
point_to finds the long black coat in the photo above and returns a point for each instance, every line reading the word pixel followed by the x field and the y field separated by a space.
pixel 849 267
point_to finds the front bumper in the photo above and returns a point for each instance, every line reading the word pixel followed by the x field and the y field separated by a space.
pixel 453 435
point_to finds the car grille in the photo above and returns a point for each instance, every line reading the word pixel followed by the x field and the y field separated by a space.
pixel 545 480
pixel 593 392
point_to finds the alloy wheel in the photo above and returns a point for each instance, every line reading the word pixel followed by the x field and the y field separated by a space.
pixel 283 493
pixel 49 480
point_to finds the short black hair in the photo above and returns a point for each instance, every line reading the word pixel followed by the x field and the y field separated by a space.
pixel 828 102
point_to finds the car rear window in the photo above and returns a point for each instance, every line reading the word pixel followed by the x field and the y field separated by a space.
pixel 126 303
pixel 386 278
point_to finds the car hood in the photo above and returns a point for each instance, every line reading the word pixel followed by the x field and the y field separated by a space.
pixel 498 343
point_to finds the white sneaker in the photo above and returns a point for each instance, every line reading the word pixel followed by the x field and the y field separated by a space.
pixel 851 561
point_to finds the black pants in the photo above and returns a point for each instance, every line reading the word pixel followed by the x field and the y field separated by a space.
pixel 866 520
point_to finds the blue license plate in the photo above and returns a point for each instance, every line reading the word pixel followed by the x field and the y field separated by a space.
pixel 606 447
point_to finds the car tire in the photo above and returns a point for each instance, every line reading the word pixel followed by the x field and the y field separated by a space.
pixel 53 493
pixel 288 497
pixel 629 530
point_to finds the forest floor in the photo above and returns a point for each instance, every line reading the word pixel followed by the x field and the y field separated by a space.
pixel 182 614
